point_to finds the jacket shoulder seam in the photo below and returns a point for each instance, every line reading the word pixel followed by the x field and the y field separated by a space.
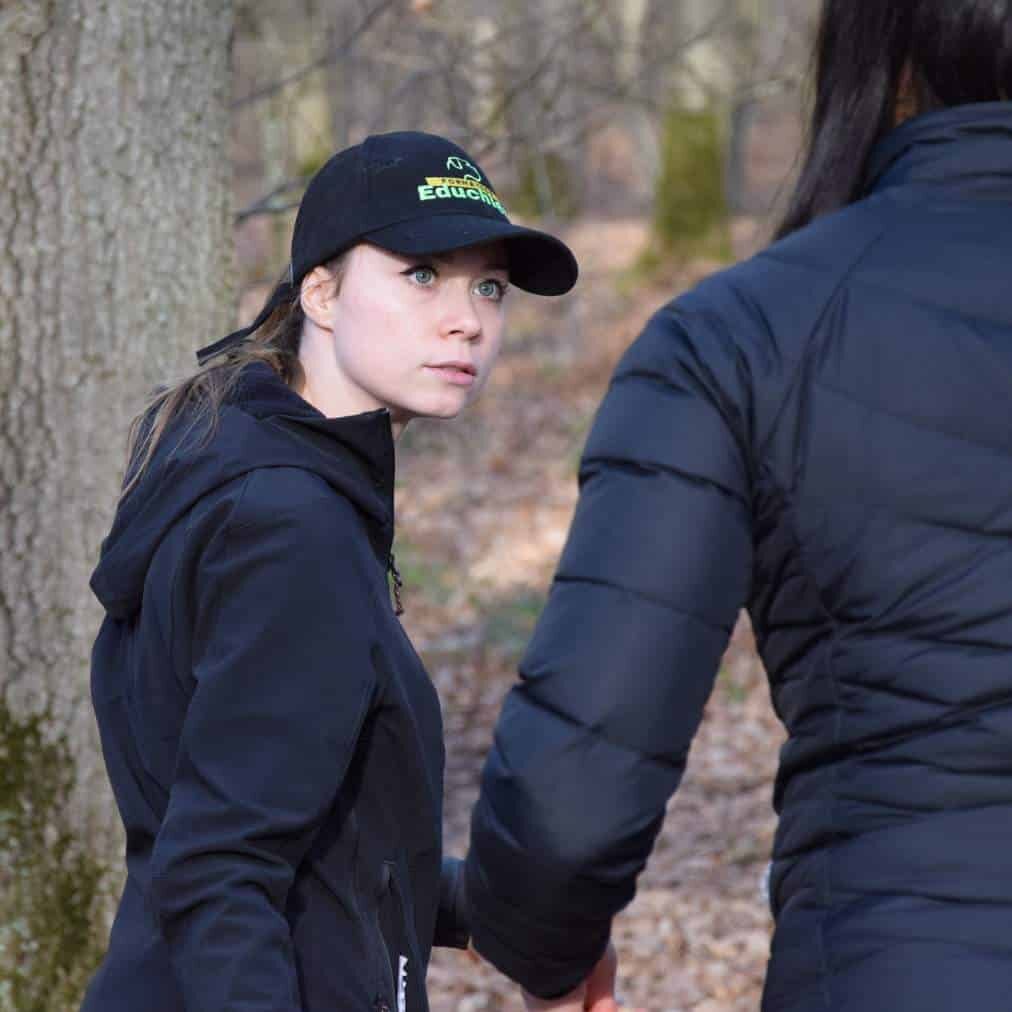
pixel 764 475
pixel 810 345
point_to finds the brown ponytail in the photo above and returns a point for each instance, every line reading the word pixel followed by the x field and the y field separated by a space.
pixel 201 394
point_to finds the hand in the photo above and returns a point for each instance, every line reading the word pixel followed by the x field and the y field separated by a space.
pixel 595 994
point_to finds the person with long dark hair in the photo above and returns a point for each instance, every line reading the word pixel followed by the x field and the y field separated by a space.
pixel 273 741
pixel 821 435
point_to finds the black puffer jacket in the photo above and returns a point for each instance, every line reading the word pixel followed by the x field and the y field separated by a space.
pixel 273 741
pixel 824 435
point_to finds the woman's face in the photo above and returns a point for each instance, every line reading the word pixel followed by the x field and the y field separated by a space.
pixel 415 335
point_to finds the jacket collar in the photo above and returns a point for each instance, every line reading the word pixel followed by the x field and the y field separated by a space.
pixel 967 148
pixel 367 439
pixel 360 447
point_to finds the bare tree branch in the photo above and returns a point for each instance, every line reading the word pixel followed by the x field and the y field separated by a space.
pixel 330 56
pixel 266 205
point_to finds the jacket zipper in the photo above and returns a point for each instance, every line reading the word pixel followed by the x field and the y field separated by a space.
pixel 398 584
pixel 396 960
pixel 381 1004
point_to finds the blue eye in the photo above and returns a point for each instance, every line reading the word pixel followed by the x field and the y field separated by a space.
pixel 491 288
pixel 421 274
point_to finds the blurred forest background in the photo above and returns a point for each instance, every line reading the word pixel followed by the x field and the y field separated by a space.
pixel 152 158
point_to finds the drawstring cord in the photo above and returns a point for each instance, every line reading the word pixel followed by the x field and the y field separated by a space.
pixel 398 584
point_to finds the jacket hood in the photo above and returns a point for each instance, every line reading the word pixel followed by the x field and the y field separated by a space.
pixel 263 424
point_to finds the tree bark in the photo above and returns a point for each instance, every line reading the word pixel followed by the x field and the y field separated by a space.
pixel 115 263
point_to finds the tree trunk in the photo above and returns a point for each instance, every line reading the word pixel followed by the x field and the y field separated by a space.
pixel 767 122
pixel 342 74
pixel 704 72
pixel 114 265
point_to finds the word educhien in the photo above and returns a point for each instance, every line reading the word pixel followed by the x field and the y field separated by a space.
pixel 442 187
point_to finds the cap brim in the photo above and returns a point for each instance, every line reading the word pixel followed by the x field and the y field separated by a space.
pixel 538 262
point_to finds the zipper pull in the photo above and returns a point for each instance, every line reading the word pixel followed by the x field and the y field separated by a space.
pixel 398 584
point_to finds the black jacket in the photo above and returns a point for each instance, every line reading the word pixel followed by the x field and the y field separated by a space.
pixel 273 741
pixel 824 435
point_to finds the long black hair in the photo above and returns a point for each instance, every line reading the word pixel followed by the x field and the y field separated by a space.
pixel 957 52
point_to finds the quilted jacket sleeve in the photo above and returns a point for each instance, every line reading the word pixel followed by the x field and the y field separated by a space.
pixel 592 741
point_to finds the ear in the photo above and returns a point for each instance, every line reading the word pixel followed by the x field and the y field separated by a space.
pixel 316 294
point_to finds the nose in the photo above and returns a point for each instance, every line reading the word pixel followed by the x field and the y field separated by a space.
pixel 459 317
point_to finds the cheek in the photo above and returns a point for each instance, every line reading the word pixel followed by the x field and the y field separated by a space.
pixel 493 329
pixel 366 336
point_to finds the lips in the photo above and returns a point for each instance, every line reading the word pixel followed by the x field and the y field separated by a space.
pixel 457 373
pixel 456 366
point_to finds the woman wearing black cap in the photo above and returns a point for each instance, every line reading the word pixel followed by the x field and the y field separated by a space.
pixel 820 434
pixel 272 739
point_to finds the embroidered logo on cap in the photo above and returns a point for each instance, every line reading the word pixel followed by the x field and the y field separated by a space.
pixel 467 184
pixel 463 166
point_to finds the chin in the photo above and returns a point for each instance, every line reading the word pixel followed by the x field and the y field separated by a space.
pixel 444 415
pixel 444 408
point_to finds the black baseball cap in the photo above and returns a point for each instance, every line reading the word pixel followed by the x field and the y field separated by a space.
pixel 410 193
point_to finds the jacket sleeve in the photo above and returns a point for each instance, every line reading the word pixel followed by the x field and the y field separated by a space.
pixel 283 681
pixel 592 741
pixel 453 928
